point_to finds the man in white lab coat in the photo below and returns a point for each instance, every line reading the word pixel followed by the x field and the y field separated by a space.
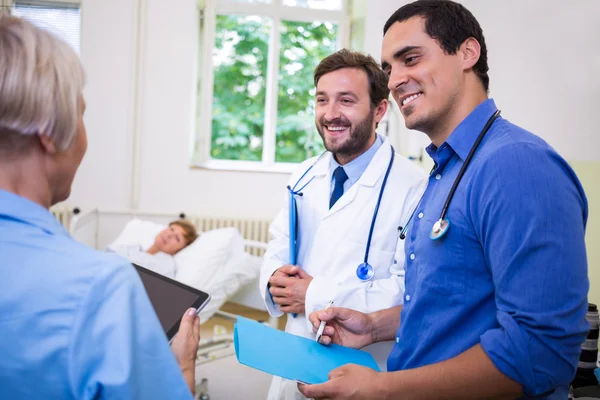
pixel 336 210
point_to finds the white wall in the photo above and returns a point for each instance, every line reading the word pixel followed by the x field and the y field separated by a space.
pixel 544 62
pixel 104 177
pixel 168 76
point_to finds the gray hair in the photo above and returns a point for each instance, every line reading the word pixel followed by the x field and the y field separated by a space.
pixel 41 81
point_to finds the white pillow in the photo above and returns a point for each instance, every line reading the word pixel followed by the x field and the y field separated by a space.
pixel 203 263
pixel 138 232
pixel 240 269
pixel 215 262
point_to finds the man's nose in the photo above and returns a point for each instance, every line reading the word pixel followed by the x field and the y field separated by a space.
pixel 333 111
pixel 398 78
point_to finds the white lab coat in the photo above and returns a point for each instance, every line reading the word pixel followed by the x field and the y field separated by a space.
pixel 332 244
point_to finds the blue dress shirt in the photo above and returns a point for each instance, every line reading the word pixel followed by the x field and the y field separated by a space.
pixel 355 168
pixel 511 272
pixel 76 323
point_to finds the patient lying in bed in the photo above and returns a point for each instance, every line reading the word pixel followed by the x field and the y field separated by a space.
pixel 215 262
pixel 159 256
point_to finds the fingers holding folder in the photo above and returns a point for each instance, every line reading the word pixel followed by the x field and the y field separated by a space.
pixel 347 382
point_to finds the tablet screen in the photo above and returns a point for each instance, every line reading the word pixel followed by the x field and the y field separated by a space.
pixel 170 298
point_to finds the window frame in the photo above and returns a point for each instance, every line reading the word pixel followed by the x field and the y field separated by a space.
pixel 50 4
pixel 46 3
pixel 203 127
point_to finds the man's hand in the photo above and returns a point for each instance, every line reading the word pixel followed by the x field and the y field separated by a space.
pixel 185 346
pixel 350 382
pixel 283 271
pixel 349 328
pixel 288 286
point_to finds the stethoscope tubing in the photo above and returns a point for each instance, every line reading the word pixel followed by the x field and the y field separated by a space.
pixel 455 184
pixel 463 169
pixel 294 192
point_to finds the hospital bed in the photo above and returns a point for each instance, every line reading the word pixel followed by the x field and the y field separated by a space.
pixel 99 228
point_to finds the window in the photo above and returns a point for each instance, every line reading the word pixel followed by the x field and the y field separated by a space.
pixel 256 81
pixel 59 17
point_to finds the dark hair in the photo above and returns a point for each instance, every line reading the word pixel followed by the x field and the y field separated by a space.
pixel 378 80
pixel 450 24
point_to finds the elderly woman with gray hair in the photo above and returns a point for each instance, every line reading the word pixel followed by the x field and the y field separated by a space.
pixel 76 323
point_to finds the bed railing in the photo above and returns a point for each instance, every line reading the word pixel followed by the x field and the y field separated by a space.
pixel 86 224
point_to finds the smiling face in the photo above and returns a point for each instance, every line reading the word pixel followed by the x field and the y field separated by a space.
pixel 426 82
pixel 170 240
pixel 344 116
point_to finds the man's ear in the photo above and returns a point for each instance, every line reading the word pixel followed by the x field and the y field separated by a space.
pixel 47 144
pixel 380 110
pixel 470 52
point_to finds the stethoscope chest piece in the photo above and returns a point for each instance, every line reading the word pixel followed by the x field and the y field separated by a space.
pixel 365 271
pixel 439 229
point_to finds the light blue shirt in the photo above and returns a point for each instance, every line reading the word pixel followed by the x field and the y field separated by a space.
pixel 76 323
pixel 511 272
pixel 355 168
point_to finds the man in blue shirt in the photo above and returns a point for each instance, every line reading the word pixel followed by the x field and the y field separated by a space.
pixel 495 307
pixel 75 323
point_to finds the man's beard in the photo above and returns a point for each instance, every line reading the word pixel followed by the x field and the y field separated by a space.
pixel 357 141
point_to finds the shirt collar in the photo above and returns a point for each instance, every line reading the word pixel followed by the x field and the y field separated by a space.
pixel 355 168
pixel 18 208
pixel 464 136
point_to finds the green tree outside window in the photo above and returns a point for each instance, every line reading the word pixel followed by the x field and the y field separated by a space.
pixel 240 61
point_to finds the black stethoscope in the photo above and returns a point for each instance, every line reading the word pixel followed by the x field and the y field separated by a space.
pixel 442 225
pixel 364 271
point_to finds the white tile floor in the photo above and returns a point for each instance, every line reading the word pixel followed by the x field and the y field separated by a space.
pixel 227 378
pixel 230 380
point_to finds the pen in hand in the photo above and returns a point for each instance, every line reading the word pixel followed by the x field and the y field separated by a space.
pixel 322 325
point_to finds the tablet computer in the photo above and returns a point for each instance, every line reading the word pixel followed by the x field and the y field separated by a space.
pixel 170 298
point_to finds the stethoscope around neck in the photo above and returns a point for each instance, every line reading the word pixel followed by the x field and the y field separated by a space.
pixel 364 271
pixel 441 226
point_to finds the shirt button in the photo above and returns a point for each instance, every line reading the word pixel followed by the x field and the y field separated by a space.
pixel 420 215
pixel 412 256
pixel 407 297
pixel 438 177
pixel 397 339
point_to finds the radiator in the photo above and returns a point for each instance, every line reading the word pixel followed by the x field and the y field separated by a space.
pixel 251 229
pixel 63 214
pixel 255 230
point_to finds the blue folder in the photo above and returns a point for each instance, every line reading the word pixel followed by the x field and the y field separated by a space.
pixel 289 356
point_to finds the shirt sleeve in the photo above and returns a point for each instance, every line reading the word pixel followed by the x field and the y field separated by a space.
pixel 529 212
pixel 278 250
pixel 118 348
pixel 276 255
